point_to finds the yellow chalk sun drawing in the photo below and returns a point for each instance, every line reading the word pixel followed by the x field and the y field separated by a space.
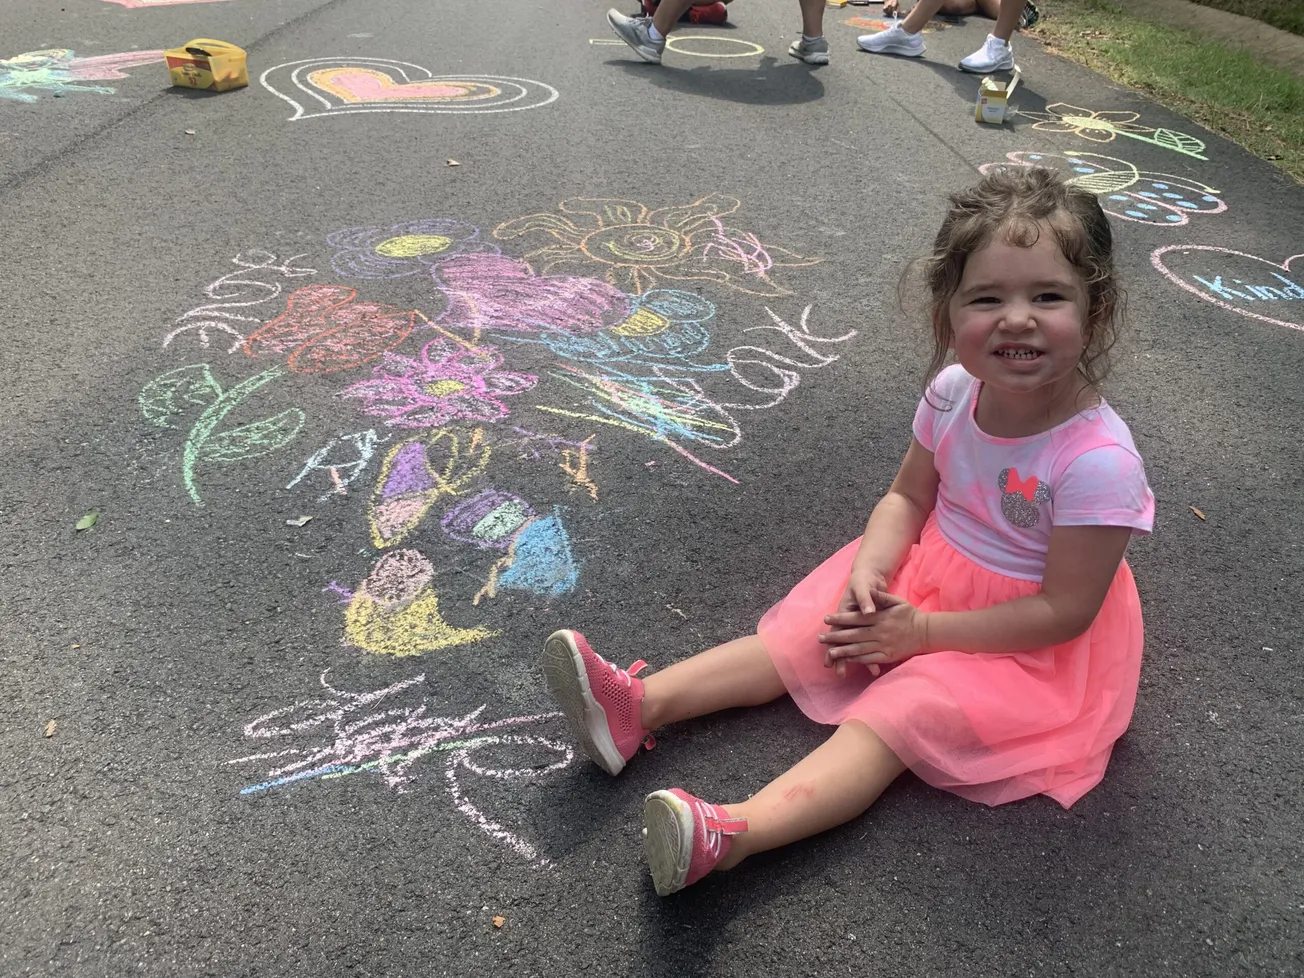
pixel 636 248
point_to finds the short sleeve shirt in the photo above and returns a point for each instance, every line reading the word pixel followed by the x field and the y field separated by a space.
pixel 999 497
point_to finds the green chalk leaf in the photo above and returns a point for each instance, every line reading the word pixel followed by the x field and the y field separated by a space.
pixel 89 520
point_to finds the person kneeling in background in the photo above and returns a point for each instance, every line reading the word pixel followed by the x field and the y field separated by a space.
pixel 701 12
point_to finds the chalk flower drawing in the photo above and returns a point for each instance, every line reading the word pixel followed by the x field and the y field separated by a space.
pixel 58 70
pixel 1104 126
pixel 636 247
pixel 447 383
pixel 407 249
pixel 395 611
pixel 186 390
pixel 374 733
pixel 499 293
pixel 409 483
pixel 324 329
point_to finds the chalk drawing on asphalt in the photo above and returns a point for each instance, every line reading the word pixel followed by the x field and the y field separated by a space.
pixel 60 72
pixel 1254 287
pixel 391 733
pixel 1106 126
pixel 332 86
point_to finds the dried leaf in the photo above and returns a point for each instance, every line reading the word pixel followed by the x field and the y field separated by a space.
pixel 50 728
pixel 452 163
pixel 190 132
pixel 76 645
pixel 89 520
pixel 1198 513
pixel 299 522
pixel 499 921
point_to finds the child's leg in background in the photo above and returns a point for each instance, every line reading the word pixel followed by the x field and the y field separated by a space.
pixel 738 673
pixel 920 14
pixel 831 785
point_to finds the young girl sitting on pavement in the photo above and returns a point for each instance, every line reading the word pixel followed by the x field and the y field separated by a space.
pixel 985 631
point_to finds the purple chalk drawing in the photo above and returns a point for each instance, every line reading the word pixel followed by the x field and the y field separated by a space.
pixel 405 249
pixel 496 292
pixel 447 383
pixel 489 519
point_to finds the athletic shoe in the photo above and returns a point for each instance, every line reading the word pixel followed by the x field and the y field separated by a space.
pixel 600 700
pixel 895 40
pixel 713 13
pixel 685 838
pixel 994 55
pixel 1029 16
pixel 814 52
pixel 634 32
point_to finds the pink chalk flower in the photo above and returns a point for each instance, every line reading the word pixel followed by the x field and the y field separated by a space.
pixel 448 382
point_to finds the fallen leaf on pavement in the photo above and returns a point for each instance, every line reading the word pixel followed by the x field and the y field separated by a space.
pixel 499 921
pixel 1198 513
pixel 50 728
pixel 299 522
pixel 89 520
pixel 190 132
pixel 452 163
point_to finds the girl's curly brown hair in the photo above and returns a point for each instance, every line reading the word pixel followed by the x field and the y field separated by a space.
pixel 1019 204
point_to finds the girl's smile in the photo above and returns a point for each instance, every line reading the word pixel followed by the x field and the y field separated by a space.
pixel 1018 321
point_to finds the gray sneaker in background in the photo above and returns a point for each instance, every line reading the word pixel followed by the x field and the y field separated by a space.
pixel 814 52
pixel 633 31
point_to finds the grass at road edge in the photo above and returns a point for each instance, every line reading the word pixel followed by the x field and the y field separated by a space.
pixel 1228 92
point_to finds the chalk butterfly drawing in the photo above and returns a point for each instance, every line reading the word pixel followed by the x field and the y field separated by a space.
pixel 333 86
pixel 1125 192
pixel 1021 497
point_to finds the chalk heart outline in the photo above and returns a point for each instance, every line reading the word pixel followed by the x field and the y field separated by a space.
pixel 1157 259
pixel 372 78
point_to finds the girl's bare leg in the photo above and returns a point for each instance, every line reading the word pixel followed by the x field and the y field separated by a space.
pixel 989 8
pixel 738 673
pixel 831 785
pixel 666 19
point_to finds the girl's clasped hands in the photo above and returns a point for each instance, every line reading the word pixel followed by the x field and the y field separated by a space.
pixel 891 630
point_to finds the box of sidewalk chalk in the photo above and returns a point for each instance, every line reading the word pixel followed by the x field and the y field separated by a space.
pixel 994 98
pixel 212 66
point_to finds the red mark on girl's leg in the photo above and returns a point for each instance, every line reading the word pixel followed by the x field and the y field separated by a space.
pixel 799 791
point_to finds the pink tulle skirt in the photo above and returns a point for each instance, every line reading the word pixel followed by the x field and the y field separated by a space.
pixel 992 728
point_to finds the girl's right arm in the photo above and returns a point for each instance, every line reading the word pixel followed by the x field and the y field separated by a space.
pixel 893 528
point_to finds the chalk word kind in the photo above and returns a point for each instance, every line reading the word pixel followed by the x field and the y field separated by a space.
pixel 371 733
pixel 251 284
pixel 1251 286
pixel 334 86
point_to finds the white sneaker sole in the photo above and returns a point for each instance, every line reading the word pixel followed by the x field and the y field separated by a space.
pixel 568 682
pixel 667 840
pixel 988 69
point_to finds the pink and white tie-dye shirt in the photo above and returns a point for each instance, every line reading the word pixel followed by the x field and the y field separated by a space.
pixel 999 497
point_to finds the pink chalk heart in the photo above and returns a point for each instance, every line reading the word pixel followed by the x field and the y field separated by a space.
pixel 365 85
pixel 1268 291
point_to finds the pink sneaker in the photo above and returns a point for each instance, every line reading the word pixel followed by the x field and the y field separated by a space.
pixel 600 700
pixel 685 838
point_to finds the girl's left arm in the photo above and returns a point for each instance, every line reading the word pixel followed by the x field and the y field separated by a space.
pixel 1080 566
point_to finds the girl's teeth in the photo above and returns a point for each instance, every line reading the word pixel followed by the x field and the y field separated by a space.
pixel 1017 354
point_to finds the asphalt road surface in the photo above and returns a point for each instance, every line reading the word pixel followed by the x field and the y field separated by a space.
pixel 323 748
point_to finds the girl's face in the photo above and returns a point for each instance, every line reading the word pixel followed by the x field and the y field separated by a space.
pixel 1018 317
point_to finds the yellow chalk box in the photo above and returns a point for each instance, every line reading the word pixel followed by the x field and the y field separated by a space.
pixel 993 99
pixel 209 65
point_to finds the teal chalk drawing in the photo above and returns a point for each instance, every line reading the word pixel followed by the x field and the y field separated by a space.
pixel 179 392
